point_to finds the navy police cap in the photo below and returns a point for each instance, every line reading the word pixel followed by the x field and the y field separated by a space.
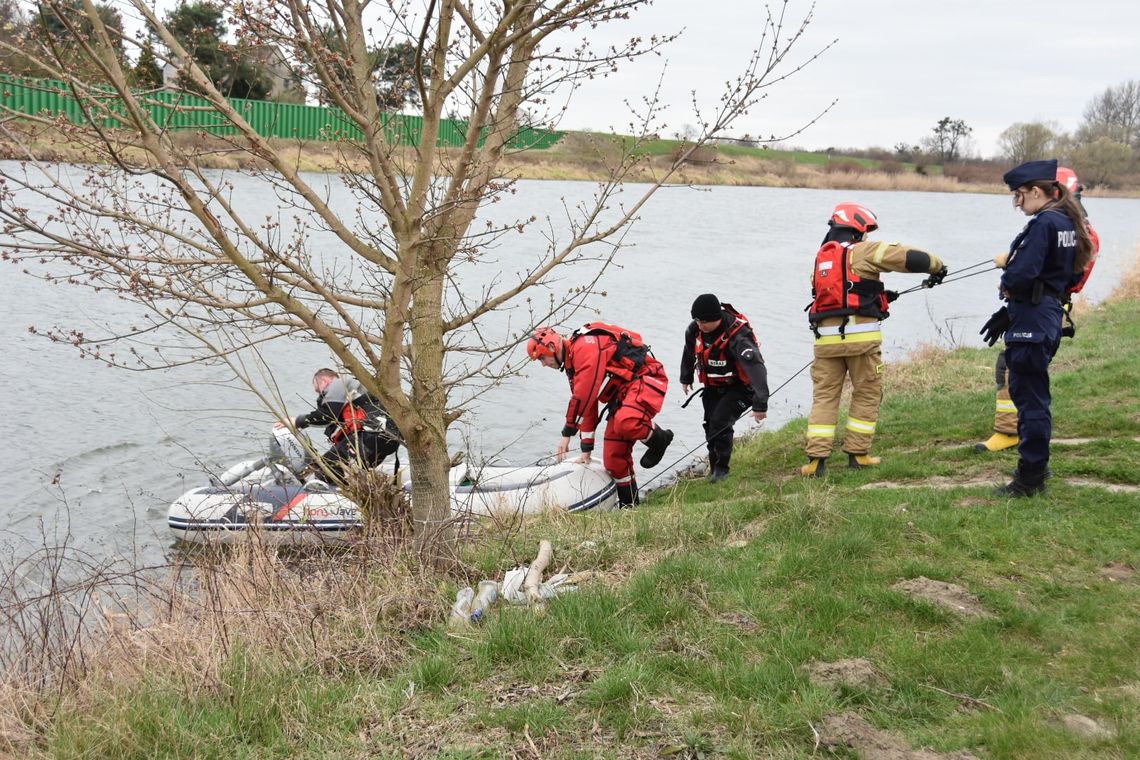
pixel 1030 171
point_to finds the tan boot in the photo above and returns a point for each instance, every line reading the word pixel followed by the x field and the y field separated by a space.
pixel 859 461
pixel 815 468
pixel 997 442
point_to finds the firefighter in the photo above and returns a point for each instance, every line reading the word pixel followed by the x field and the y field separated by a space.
pixel 720 344
pixel 355 422
pixel 1046 260
pixel 848 304
pixel 610 367
pixel 1005 417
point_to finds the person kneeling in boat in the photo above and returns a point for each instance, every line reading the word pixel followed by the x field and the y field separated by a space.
pixel 355 422
pixel 720 344
pixel 610 366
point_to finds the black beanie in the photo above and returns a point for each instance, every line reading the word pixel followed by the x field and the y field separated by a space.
pixel 706 308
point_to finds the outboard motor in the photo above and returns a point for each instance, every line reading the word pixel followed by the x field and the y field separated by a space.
pixel 287 449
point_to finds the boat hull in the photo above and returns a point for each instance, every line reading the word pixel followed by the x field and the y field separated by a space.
pixel 290 514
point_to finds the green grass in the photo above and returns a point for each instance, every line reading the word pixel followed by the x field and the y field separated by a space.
pixel 666 147
pixel 689 646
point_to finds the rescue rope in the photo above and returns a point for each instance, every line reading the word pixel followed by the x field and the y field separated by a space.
pixel 954 279
pixel 959 276
pixel 729 426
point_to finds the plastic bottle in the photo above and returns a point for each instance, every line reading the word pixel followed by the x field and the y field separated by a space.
pixel 488 593
pixel 461 610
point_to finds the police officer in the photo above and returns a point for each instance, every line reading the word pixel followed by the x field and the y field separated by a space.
pixel 720 344
pixel 1045 260
pixel 848 303
pixel 1005 416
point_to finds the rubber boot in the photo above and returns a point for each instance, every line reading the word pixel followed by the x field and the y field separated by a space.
pixel 655 446
pixel 1026 482
pixel 815 468
pixel 718 474
pixel 859 461
pixel 996 442
pixel 627 495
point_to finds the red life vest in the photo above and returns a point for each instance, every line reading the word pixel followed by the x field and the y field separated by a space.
pixel 628 359
pixel 352 419
pixel 838 292
pixel 1089 266
pixel 627 362
pixel 715 365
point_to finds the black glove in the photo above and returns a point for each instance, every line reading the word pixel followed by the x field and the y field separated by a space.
pixel 1068 327
pixel 936 278
pixel 892 295
pixel 995 327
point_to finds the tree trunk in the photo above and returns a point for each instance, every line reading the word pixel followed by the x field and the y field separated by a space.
pixel 431 500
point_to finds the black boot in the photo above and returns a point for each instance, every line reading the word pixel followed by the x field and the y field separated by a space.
pixel 655 446
pixel 627 495
pixel 1027 481
pixel 718 474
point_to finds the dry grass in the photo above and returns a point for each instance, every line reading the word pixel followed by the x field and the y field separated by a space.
pixel 77 626
pixel 1128 288
pixel 926 368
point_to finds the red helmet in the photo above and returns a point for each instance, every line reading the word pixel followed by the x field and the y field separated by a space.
pixel 545 342
pixel 1068 178
pixel 858 218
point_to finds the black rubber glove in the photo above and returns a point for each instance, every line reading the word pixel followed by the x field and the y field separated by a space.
pixel 1068 326
pixel 998 323
pixel 936 278
pixel 892 295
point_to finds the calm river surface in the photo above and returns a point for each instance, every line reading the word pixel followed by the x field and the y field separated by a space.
pixel 122 445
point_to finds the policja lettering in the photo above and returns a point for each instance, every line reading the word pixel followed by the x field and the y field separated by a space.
pixel 1067 238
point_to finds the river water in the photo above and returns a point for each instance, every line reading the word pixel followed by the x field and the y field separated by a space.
pixel 95 455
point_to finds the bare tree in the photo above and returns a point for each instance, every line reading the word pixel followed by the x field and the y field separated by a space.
pixel 1115 113
pixel 390 303
pixel 1101 161
pixel 1024 141
pixel 950 139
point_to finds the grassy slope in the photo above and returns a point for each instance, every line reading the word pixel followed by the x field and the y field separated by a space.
pixel 687 645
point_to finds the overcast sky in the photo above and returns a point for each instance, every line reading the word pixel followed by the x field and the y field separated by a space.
pixel 897 68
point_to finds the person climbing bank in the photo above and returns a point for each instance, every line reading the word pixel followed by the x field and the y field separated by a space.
pixel 721 345
pixel 608 367
pixel 848 304
pixel 1045 261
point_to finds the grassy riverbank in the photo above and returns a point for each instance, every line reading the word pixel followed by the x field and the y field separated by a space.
pixel 763 617
pixel 578 156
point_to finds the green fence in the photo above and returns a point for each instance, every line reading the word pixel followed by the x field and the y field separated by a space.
pixel 181 111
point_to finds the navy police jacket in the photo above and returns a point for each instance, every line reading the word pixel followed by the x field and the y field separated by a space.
pixel 1041 258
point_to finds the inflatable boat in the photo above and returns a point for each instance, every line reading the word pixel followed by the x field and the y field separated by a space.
pixel 505 491
pixel 265 496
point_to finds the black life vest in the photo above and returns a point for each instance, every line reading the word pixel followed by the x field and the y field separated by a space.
pixel 838 292
pixel 716 367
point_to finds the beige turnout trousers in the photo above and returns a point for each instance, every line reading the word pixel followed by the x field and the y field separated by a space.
pixel 863 362
pixel 1005 415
